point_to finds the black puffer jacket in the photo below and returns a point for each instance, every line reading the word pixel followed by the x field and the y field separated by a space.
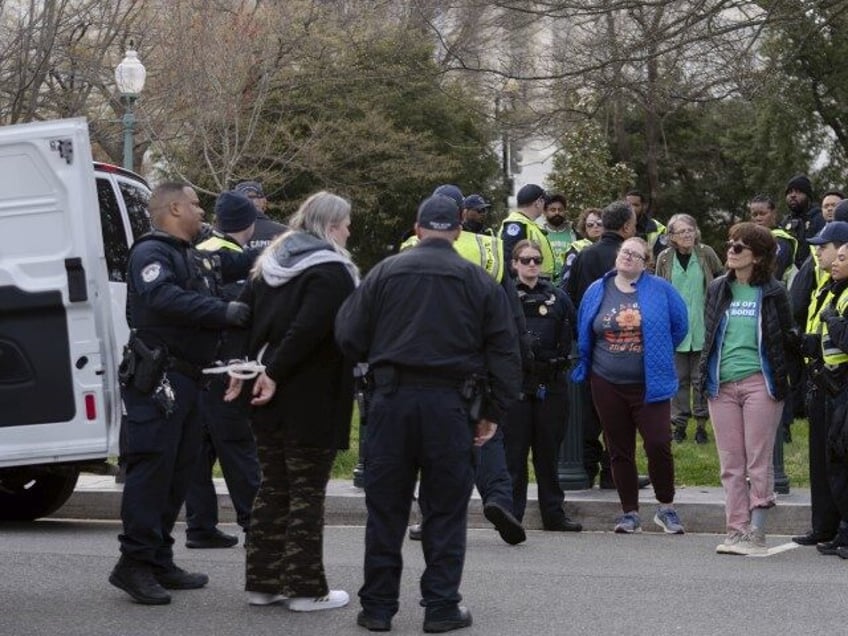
pixel 778 338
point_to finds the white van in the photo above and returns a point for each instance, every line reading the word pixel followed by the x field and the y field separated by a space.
pixel 66 225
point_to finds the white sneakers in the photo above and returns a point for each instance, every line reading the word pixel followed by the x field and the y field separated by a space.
pixel 263 598
pixel 336 598
pixel 750 544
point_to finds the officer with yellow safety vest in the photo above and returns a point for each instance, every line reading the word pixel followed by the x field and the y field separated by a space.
pixel 833 321
pixel 825 514
pixel 227 436
pixel 520 224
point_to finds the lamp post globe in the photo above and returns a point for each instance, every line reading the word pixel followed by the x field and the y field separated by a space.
pixel 129 78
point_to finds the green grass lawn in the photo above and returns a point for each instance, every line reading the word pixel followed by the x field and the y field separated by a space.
pixel 694 465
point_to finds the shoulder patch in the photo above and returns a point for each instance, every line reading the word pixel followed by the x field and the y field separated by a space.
pixel 151 272
pixel 512 229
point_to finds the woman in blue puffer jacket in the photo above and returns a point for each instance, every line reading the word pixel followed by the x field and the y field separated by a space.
pixel 629 324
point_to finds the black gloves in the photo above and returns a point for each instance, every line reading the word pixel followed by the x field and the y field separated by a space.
pixel 828 312
pixel 811 346
pixel 238 314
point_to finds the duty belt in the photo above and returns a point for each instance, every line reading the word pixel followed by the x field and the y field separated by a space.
pixel 389 376
pixel 187 369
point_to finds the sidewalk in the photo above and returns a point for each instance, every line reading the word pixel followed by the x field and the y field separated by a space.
pixel 701 509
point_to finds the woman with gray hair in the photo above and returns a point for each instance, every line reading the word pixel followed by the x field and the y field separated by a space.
pixel 302 401
pixel 690 277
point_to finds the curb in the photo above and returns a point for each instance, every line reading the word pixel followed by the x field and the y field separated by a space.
pixel 701 508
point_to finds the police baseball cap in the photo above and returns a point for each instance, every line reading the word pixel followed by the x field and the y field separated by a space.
pixel 250 189
pixel 438 212
pixel 529 193
pixel 234 212
pixel 475 202
pixel 452 191
pixel 833 232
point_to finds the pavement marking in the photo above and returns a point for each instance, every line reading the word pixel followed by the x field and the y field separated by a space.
pixel 784 547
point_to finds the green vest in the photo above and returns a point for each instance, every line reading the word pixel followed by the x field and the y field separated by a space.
pixel 833 356
pixel 537 235
pixel 484 250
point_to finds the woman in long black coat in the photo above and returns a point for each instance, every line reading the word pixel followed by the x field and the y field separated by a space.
pixel 302 402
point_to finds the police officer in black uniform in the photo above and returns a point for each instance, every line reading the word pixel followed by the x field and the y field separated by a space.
pixel 538 420
pixel 266 229
pixel 176 319
pixel 446 366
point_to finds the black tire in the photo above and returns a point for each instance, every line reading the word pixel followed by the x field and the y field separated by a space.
pixel 34 492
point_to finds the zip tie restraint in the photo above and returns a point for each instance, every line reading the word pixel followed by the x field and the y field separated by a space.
pixel 240 369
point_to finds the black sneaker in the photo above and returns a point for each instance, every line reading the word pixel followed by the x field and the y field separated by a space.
pixel 175 578
pixel 506 524
pixel 136 579
pixel 563 525
pixel 701 436
pixel 210 540
pixel 373 623
pixel 680 434
pixel 460 619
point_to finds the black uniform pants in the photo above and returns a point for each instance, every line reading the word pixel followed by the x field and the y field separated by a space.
pixel 493 480
pixel 160 458
pixel 228 438
pixel 824 513
pixel 538 425
pixel 410 429
pixel 837 470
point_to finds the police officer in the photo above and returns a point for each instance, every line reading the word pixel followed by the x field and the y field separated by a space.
pixel 520 224
pixel 539 418
pixel 227 436
pixel 493 480
pixel 175 318
pixel 266 229
pixel 429 408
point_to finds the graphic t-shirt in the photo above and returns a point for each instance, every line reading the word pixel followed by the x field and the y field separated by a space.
pixel 740 356
pixel 617 356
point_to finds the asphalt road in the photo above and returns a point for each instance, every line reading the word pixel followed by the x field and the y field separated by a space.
pixel 53 581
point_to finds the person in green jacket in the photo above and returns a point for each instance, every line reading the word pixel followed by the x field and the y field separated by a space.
pixel 689 266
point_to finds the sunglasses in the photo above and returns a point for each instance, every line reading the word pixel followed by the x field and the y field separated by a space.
pixel 526 260
pixel 630 254
pixel 594 224
pixel 736 247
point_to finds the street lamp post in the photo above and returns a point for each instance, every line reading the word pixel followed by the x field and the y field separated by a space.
pixel 129 77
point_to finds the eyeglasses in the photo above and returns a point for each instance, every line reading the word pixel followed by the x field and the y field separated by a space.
pixel 631 255
pixel 737 247
pixel 594 224
pixel 526 260
pixel 686 232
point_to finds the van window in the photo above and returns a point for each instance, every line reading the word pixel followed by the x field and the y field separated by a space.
pixel 114 236
pixel 136 199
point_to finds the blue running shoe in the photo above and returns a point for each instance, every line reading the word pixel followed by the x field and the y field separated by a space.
pixel 628 523
pixel 668 520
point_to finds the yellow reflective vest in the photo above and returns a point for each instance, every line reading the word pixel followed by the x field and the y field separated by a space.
pixel 484 250
pixel 832 355
pixel 534 233
pixel 219 242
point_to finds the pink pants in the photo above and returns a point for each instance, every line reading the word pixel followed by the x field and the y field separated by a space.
pixel 745 421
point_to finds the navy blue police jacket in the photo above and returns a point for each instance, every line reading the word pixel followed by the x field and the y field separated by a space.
pixel 172 295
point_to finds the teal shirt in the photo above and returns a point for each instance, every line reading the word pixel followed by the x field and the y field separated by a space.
pixel 740 355
pixel 689 283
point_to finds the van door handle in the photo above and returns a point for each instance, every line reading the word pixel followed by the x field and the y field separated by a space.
pixel 77 291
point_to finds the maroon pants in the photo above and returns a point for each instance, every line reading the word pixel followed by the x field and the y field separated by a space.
pixel 622 411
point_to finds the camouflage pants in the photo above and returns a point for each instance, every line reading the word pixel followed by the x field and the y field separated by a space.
pixel 285 551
